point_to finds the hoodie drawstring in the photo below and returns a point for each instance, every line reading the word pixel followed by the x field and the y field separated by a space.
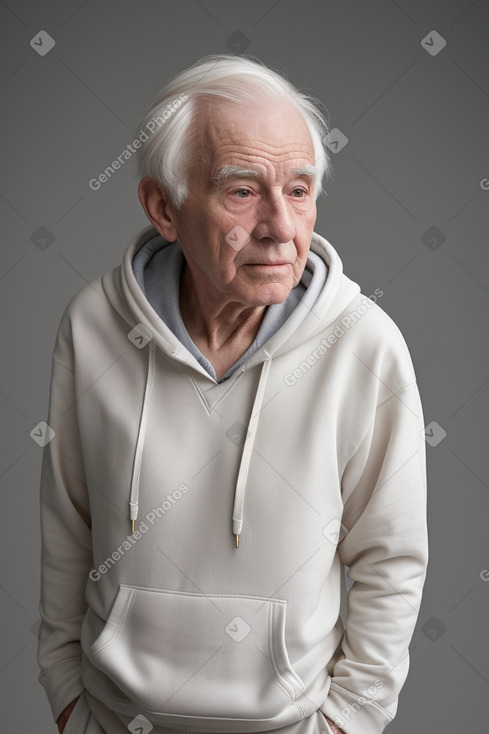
pixel 244 466
pixel 239 494
pixel 134 499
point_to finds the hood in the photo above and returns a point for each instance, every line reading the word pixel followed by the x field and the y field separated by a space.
pixel 124 293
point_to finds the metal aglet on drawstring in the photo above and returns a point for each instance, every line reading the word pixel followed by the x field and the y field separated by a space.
pixel 237 540
pixel 132 526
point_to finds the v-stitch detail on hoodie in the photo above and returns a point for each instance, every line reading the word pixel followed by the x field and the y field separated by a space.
pixel 225 388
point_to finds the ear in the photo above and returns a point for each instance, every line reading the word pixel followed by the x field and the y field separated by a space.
pixel 158 207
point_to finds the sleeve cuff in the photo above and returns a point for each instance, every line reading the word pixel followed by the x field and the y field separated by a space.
pixel 62 684
pixel 356 714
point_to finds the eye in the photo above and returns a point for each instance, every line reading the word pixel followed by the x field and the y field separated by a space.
pixel 299 192
pixel 242 193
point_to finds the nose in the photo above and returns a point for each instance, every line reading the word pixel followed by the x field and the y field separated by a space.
pixel 274 220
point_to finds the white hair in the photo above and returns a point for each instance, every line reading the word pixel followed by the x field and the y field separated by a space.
pixel 168 121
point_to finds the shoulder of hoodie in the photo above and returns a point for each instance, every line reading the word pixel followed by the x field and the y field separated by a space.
pixel 377 341
pixel 372 335
pixel 87 309
pixel 101 296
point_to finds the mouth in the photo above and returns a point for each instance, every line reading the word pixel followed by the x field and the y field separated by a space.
pixel 268 265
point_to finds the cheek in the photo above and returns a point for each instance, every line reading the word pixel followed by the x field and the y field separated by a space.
pixel 233 246
pixel 300 263
pixel 305 231
pixel 227 263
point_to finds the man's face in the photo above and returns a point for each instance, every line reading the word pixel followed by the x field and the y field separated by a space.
pixel 246 236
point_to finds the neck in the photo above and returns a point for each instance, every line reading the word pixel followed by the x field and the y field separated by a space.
pixel 222 330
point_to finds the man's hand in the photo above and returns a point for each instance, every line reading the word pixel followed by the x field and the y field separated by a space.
pixel 65 714
pixel 333 728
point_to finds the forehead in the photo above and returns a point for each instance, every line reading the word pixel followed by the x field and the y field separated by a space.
pixel 276 132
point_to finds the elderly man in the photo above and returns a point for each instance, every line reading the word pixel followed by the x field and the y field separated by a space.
pixel 234 424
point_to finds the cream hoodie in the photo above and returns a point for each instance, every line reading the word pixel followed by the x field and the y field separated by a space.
pixel 195 533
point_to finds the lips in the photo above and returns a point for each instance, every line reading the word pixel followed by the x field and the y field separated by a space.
pixel 270 264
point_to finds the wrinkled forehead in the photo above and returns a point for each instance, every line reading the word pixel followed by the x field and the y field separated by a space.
pixel 230 131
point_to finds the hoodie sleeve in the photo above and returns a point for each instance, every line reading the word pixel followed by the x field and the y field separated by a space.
pixel 385 549
pixel 66 556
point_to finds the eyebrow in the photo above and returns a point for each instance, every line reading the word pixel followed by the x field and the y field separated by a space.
pixel 237 172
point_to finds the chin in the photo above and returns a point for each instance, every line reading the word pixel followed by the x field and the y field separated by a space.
pixel 267 295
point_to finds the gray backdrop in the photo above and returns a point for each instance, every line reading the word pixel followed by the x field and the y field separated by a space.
pixel 407 211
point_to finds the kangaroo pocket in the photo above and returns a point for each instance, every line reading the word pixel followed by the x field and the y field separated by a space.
pixel 199 655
